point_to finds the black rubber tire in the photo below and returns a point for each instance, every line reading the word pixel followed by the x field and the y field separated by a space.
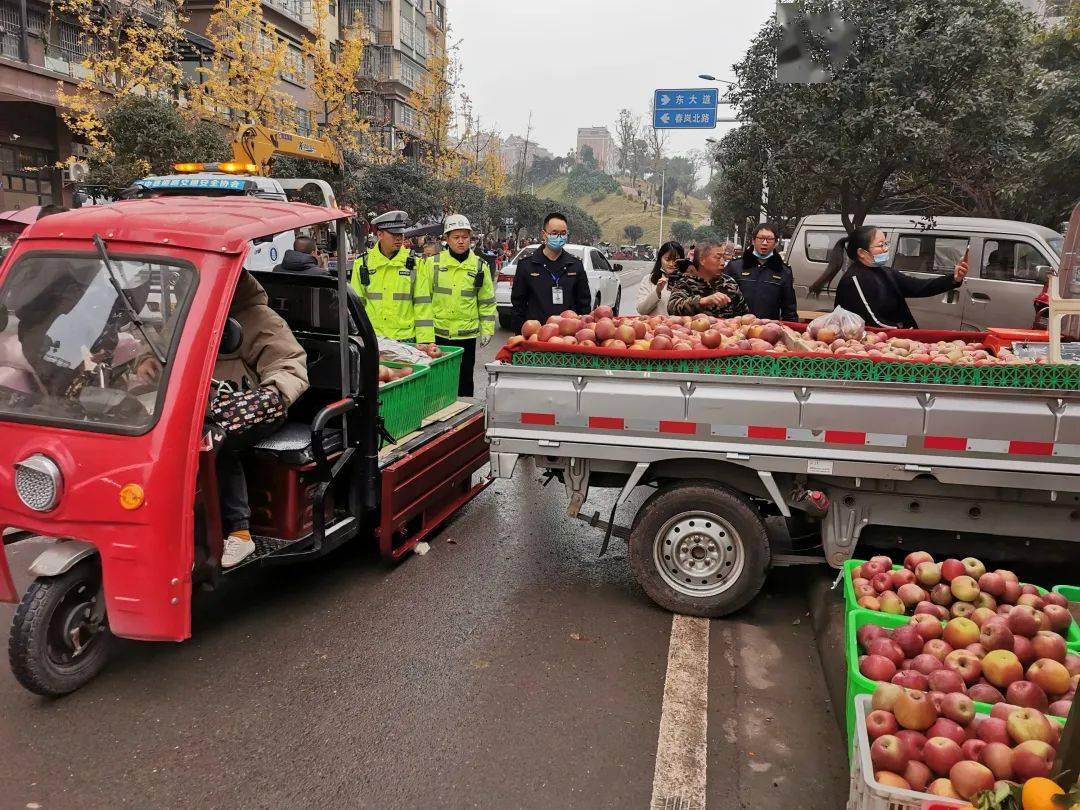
pixel 504 319
pixel 724 503
pixel 596 301
pixel 27 644
pixel 618 301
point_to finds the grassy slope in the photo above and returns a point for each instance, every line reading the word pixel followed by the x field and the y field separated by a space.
pixel 615 212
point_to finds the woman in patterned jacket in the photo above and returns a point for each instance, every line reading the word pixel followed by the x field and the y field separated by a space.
pixel 704 287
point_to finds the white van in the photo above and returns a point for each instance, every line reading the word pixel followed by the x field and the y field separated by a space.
pixel 1009 262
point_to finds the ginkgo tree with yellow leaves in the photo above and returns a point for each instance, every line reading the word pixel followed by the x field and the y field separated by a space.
pixel 437 100
pixel 336 85
pixel 130 48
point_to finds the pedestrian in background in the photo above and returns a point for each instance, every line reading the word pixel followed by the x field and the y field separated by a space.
pixel 653 292
pixel 875 291
pixel 704 287
pixel 767 284
pixel 549 280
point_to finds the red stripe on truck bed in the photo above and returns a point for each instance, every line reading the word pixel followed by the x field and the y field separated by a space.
pixel 669 426
pixel 538 419
pixel 1031 448
pixel 607 422
pixel 957 443
pixel 766 432
pixel 844 437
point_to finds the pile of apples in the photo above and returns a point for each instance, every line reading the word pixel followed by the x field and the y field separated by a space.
pixel 431 350
pixel 956 588
pixel 746 333
pixel 389 374
pixel 940 746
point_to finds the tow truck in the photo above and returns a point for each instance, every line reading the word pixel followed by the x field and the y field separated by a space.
pixel 254 148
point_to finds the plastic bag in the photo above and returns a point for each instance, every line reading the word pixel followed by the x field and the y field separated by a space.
pixel 395 351
pixel 835 325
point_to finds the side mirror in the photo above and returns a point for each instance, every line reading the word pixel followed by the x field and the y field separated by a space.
pixel 1042 273
pixel 232 338
pixel 616 267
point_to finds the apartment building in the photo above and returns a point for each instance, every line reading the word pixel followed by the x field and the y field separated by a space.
pixel 602 144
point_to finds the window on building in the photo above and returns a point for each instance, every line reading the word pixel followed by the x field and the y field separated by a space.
pixel 295 69
pixel 925 253
pixel 26 175
pixel 1011 260
pixel 10 41
pixel 303 121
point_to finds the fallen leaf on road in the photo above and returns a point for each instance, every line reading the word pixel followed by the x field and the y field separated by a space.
pixel 480 664
pixel 577 637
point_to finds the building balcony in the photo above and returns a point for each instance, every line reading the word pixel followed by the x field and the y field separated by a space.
pixel 298 10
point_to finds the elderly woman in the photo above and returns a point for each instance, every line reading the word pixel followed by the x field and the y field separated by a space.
pixel 704 287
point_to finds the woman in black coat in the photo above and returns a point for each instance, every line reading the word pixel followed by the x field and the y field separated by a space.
pixel 876 292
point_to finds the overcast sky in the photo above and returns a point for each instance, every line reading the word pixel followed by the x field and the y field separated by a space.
pixel 575 63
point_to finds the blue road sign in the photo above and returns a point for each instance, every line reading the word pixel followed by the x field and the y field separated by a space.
pixel 686 108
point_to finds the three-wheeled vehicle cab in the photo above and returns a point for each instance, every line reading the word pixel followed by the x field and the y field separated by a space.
pixel 111 321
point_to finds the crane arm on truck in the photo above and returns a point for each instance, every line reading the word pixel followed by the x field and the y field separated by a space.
pixel 258 145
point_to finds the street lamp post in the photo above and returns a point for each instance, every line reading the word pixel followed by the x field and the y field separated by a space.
pixel 663 182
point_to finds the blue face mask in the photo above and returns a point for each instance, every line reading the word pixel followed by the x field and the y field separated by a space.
pixel 762 255
pixel 556 242
pixel 881 258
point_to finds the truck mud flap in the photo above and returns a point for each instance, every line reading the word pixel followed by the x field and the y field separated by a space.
pixel 420 491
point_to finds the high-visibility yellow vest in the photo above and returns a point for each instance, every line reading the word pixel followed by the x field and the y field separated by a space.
pixel 396 293
pixel 462 296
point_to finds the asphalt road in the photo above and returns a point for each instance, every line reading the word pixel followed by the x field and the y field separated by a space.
pixel 508 667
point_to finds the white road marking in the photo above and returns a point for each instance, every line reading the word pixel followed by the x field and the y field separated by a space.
pixel 679 778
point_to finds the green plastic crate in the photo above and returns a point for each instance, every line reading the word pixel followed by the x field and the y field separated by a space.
pixel 1072 593
pixel 1072 637
pixel 402 402
pixel 857 684
pixel 442 379
pixel 1065 377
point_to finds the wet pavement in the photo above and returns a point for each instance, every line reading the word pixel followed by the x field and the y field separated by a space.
pixel 508 667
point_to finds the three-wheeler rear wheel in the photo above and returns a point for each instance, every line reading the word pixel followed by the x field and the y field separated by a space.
pixel 699 549
pixel 59 637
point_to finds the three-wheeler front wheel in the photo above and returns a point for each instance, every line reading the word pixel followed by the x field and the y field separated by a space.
pixel 699 549
pixel 59 637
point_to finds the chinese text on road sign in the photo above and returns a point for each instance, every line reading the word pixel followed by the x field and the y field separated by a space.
pixel 685 109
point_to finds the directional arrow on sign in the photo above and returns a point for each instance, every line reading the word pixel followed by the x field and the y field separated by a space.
pixel 665 118
pixel 665 100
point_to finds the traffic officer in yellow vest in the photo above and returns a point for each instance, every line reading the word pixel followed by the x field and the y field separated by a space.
pixel 393 284
pixel 463 297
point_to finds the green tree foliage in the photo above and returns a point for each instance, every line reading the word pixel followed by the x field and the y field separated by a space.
pixel 587 158
pixel 707 232
pixel 682 231
pixel 544 169
pixel 928 92
pixel 146 136
pixel 682 174
pixel 583 181
pixel 400 185
pixel 633 233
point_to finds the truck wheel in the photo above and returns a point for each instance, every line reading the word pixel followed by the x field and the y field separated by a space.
pixel 618 301
pixel 699 549
pixel 504 319
pixel 59 638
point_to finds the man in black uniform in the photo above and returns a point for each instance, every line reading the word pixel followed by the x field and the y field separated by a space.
pixel 766 282
pixel 551 280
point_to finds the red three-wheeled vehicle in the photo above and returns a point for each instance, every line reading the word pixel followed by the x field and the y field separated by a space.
pixel 115 466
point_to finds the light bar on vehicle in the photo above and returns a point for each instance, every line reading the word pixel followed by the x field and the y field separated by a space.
pixel 227 168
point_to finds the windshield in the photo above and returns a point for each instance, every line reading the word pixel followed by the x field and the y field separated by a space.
pixel 1057 243
pixel 69 350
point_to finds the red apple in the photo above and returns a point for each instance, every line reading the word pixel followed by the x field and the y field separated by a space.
pixel 1028 724
pixel 985 600
pixel 993 729
pixel 928 574
pixel 958 707
pixel 941 594
pixel 1059 617
pixel 993 584
pixel 914 742
pixel 944 727
pixel 1024 650
pixel 938 647
pixel 908 639
pixel 1012 591
pixel 1032 758
pixel 1072 663
pixel 1052 598
pixel 982 615
pixel 960 632
pixel 1060 708
pixel 965 664
pixel 1003 710
pixel 1048 644
pixel 925 663
pixel 915 558
pixel 1027 695
pixel 868 632
pixel 976 649
pixel 917 775
pixel 1002 667
pixel 985 693
pixel 914 710
pixel 944 788
pixel 877 667
pixel 969 777
pixel 951 569
pixel 884 696
pixel 964 588
pixel 888 648
pixel 997 756
pixel 996 636
pixel 945 681
pixel 928 626
pixel 1052 677
pixel 911 679
pixel 1032 600
pixel 961 610
pixel 911 594
pixel 941 753
pixel 901 577
pixel 880 722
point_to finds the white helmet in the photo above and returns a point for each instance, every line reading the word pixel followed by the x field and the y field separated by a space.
pixel 456 222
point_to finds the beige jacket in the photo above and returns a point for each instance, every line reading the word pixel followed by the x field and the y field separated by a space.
pixel 269 354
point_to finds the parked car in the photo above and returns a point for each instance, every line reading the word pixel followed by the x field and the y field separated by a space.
pixel 603 279
pixel 1008 262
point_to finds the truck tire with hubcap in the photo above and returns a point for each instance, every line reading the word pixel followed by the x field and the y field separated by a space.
pixel 59 636
pixel 699 549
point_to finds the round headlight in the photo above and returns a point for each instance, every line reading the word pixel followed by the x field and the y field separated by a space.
pixel 38 482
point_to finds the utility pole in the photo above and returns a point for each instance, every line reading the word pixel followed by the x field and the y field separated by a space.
pixel 663 182
pixel 525 154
